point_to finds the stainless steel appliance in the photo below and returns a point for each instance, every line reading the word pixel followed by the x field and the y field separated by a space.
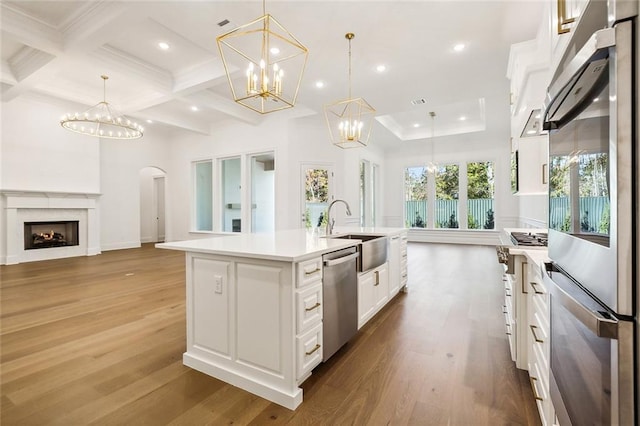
pixel 593 237
pixel 340 299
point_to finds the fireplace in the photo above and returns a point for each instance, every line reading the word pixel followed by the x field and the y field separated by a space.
pixel 41 235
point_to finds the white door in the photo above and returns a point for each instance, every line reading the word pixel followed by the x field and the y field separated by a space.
pixel 158 206
pixel 317 193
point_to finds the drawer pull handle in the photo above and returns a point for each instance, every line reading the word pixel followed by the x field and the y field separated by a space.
pixel 313 307
pixel 535 336
pixel 535 290
pixel 506 293
pixel 314 349
pixel 536 395
pixel 504 309
pixel 312 272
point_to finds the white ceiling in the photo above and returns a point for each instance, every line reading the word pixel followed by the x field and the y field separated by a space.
pixel 60 48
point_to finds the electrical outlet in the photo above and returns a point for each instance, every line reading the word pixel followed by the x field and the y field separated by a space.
pixel 218 279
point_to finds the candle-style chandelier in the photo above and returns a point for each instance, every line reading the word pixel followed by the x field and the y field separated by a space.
pixel 274 60
pixel 349 120
pixel 102 120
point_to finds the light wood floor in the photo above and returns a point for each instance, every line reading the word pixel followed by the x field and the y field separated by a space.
pixel 100 340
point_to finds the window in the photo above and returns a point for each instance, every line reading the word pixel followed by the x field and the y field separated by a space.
pixel 450 196
pixel 203 180
pixel 447 194
pixel 263 206
pixel 317 194
pixel 231 195
pixel 480 193
pixel 415 186
pixel 368 200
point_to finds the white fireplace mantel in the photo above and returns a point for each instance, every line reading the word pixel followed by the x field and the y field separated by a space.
pixel 27 206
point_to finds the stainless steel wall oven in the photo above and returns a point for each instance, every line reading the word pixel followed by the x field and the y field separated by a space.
pixel 593 220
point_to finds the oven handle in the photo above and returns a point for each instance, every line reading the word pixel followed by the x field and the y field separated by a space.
pixel 593 320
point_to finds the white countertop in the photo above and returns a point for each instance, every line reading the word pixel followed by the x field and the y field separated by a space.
pixel 289 245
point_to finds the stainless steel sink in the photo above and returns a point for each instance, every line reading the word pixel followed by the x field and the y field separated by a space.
pixel 372 249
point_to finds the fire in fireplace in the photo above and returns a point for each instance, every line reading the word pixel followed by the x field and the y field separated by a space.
pixel 39 235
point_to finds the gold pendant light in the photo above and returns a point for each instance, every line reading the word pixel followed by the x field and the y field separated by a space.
pixel 350 120
pixel 264 64
pixel 102 120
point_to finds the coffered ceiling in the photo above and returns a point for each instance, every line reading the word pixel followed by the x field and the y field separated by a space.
pixel 60 49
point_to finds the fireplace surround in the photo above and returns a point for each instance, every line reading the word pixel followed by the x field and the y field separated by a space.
pixel 24 207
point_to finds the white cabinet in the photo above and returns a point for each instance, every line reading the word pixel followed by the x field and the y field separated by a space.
pixel 373 292
pixel 256 324
pixel 309 317
pixel 515 311
pixel 538 343
pixel 397 263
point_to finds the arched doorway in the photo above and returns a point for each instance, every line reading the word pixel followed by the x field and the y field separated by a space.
pixel 152 205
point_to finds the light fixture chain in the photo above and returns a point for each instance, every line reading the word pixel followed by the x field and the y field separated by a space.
pixel 349 38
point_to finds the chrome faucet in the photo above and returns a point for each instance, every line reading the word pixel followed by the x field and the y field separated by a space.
pixel 331 222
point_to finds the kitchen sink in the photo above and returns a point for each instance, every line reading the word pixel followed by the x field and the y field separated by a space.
pixel 372 249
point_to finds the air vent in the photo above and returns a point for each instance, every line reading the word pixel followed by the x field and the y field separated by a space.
pixel 223 23
pixel 419 101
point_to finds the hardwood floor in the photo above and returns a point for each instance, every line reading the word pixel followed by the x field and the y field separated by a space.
pixel 99 340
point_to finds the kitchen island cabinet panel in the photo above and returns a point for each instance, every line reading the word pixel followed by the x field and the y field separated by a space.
pixel 262 307
pixel 210 315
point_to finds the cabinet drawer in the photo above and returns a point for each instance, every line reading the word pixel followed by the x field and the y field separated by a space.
pixel 309 349
pixel 309 271
pixel 308 307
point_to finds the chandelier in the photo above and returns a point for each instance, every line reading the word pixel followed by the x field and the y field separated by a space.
pixel 432 166
pixel 274 60
pixel 350 120
pixel 102 120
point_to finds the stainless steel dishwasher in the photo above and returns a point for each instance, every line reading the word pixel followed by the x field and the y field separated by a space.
pixel 340 297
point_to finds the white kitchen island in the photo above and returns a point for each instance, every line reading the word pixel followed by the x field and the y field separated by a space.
pixel 253 306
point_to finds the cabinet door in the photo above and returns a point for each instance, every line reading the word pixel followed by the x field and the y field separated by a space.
pixel 394 265
pixel 365 297
pixel 380 286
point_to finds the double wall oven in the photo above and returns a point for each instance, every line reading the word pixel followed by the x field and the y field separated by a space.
pixel 591 116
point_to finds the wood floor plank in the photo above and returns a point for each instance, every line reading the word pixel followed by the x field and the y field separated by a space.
pixel 99 340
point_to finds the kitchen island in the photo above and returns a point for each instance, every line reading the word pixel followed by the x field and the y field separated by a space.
pixel 253 305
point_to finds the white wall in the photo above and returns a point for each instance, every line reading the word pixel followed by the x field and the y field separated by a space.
pixel 121 162
pixel 38 154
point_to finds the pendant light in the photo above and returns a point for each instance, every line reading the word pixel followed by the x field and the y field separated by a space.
pixel 350 120
pixel 272 61
pixel 102 120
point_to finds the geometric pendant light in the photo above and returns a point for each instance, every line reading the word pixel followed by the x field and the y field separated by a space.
pixel 350 120
pixel 103 121
pixel 264 64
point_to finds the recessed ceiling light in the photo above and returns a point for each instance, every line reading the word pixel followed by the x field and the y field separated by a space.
pixel 462 118
pixel 319 84
pixel 195 108
pixel 459 47
pixel 163 45
pixel 149 121
pixel 416 125
pixel 381 68
pixel 274 50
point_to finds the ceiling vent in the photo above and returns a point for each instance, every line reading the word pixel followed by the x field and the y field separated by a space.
pixel 223 23
pixel 419 101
